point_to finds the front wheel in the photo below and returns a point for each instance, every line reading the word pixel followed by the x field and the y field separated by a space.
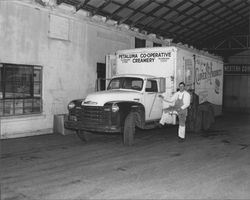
pixel 129 130
pixel 82 135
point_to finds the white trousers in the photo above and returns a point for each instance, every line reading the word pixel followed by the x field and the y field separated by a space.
pixel 181 131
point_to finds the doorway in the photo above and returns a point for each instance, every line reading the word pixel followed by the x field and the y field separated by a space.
pixel 101 76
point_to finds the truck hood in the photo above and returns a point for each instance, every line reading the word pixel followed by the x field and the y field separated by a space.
pixel 100 98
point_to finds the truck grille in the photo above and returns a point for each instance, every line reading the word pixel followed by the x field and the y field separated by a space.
pixel 91 116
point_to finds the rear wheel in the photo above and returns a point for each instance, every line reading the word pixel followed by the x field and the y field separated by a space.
pixel 129 130
pixel 82 135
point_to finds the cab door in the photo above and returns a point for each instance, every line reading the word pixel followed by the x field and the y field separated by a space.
pixel 153 103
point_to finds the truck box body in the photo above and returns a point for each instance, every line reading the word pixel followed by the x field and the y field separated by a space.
pixel 201 72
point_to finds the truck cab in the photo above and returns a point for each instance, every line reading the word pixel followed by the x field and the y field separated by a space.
pixel 130 101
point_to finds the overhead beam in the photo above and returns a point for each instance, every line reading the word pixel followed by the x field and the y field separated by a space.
pixel 144 5
pixel 58 2
pixel 192 15
pixel 236 42
pixel 226 30
pixel 192 33
pixel 182 26
pixel 165 14
pixel 151 13
pixel 139 9
pixel 232 10
pixel 217 16
pixel 120 8
pixel 96 11
pixel 193 30
pixel 195 36
pixel 219 37
pixel 81 5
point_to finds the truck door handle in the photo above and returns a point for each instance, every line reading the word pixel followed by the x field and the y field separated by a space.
pixel 136 99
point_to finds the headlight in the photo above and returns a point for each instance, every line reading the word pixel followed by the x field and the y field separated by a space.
pixel 82 104
pixel 115 107
pixel 71 105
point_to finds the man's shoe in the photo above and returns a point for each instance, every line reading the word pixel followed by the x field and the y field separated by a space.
pixel 180 140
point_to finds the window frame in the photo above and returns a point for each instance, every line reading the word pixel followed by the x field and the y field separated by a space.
pixel 122 81
pixel 140 43
pixel 23 100
pixel 150 90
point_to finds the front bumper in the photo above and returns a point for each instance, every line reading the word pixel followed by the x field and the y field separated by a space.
pixel 79 125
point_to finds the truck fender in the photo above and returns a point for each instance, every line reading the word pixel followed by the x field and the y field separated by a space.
pixel 136 108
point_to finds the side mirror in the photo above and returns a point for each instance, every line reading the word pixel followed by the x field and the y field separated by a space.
pixel 162 85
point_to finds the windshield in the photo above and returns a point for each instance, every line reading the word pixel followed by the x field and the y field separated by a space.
pixel 126 83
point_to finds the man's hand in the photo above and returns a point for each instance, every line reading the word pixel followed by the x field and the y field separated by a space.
pixel 161 96
pixel 180 110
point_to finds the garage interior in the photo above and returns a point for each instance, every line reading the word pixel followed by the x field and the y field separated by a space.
pixel 58 37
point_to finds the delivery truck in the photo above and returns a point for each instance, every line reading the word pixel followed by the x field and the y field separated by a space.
pixel 138 76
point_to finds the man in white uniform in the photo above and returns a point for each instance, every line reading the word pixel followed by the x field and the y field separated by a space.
pixel 181 101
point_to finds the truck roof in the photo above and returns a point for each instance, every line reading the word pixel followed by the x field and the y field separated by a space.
pixel 143 76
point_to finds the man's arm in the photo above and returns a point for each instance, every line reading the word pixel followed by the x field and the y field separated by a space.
pixel 170 100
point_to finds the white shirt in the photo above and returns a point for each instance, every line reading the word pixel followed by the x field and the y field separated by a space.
pixel 186 98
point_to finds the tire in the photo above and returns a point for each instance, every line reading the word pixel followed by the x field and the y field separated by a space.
pixel 129 130
pixel 82 135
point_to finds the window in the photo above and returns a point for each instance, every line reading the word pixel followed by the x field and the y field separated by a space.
pixel 157 45
pixel 132 83
pixel 151 86
pixel 140 43
pixel 20 89
pixel 126 83
pixel 101 76
pixel 114 84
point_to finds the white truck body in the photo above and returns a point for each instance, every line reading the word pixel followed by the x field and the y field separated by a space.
pixel 200 71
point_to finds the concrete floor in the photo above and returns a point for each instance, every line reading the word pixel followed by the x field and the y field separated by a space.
pixel 211 165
